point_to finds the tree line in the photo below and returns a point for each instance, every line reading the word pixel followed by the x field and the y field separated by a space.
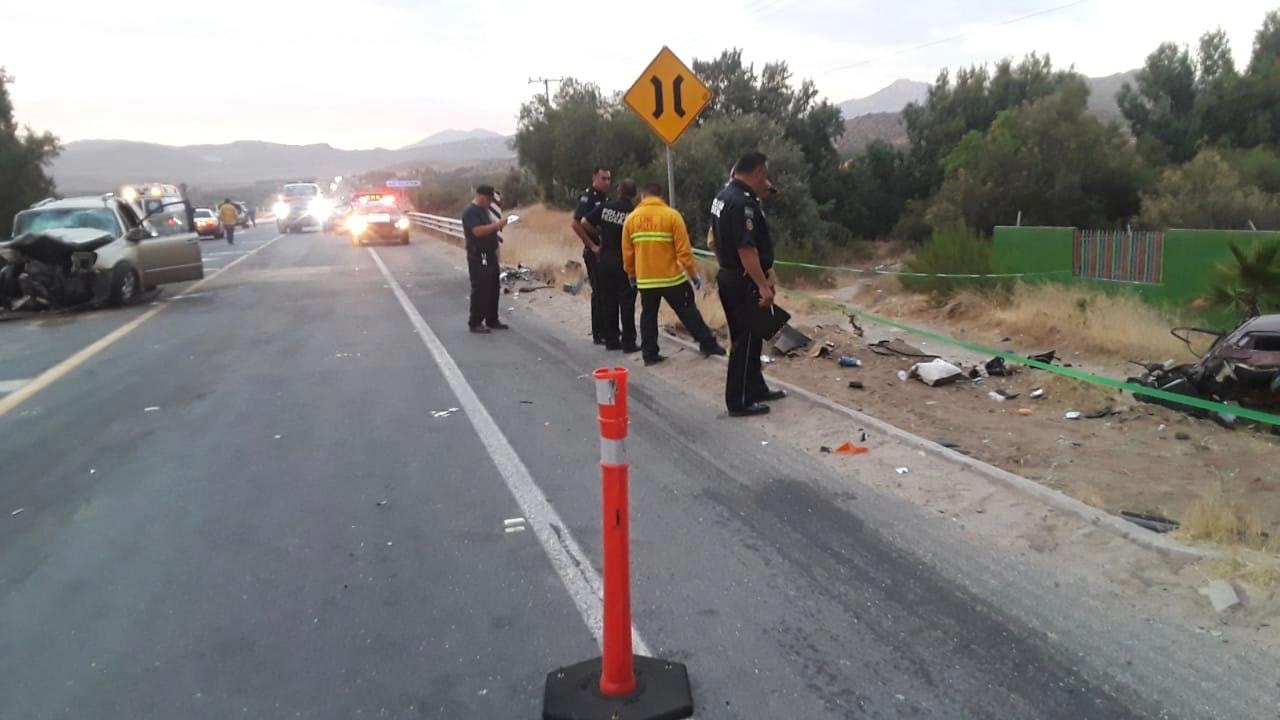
pixel 1196 147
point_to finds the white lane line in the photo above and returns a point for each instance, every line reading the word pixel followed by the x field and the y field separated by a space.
pixel 57 372
pixel 8 386
pixel 570 562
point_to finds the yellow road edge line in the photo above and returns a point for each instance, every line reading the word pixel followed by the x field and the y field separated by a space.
pixel 57 372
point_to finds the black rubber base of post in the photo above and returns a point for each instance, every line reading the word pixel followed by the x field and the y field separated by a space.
pixel 662 693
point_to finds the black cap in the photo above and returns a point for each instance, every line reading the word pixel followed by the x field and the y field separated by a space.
pixel 486 190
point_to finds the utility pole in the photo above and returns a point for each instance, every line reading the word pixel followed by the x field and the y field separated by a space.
pixel 546 85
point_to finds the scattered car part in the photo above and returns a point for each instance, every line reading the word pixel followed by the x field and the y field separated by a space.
pixel 936 372
pixel 898 348
pixel 1154 523
pixel 789 340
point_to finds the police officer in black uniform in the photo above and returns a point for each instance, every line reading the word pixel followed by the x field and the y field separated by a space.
pixel 593 197
pixel 618 298
pixel 745 252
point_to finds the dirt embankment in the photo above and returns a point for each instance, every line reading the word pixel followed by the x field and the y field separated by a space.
pixel 1132 456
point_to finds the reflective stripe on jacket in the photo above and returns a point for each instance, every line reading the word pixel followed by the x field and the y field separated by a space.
pixel 655 246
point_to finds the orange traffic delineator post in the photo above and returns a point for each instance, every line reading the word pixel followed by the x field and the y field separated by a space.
pixel 618 685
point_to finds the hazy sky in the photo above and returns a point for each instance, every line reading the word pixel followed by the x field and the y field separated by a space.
pixel 366 73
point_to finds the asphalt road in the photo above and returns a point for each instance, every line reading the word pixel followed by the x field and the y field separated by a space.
pixel 257 504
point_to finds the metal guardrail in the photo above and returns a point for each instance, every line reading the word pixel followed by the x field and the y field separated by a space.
pixel 438 223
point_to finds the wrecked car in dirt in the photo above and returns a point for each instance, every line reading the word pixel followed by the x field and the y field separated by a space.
pixel 1241 366
pixel 89 251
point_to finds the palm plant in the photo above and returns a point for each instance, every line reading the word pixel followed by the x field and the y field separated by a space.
pixel 1250 285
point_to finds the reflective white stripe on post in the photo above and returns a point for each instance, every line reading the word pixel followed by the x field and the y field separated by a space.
pixel 613 452
pixel 605 392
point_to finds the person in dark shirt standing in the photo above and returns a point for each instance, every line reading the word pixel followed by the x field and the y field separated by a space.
pixel 745 253
pixel 482 239
pixel 593 197
pixel 618 298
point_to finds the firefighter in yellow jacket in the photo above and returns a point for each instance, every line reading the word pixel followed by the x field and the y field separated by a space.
pixel 659 261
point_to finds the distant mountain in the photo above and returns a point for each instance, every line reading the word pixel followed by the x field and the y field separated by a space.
pixel 861 131
pixel 451 136
pixel 1102 93
pixel 98 165
pixel 867 126
pixel 896 96
pixel 889 99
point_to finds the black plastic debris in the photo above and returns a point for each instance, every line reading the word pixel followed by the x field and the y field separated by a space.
pixel 948 444
pixel 1154 523
pixel 997 367
pixel 791 340
pixel 824 449
pixel 898 348
pixel 856 385
pixel 1047 358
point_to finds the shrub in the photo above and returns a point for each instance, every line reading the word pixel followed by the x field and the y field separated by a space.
pixel 954 249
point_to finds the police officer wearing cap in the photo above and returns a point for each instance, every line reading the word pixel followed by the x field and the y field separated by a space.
pixel 591 198
pixel 745 253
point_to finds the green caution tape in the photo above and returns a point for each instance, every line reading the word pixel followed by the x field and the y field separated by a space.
pixel 1102 380
pixel 896 273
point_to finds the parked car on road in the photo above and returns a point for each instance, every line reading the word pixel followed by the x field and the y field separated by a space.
pixel 208 225
pixel 94 249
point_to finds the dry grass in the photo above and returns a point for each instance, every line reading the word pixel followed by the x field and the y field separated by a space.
pixel 1080 319
pixel 542 241
pixel 1217 520
pixel 1090 496
pixel 1256 569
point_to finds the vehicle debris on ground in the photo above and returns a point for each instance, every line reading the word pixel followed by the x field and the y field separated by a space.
pixel 936 372
pixel 1241 366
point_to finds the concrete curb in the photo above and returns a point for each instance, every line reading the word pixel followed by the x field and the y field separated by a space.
pixel 1053 498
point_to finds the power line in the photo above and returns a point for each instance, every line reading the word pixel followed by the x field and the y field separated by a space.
pixel 953 38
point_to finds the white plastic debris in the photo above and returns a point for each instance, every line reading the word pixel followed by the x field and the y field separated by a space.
pixel 902 470
pixel 996 396
pixel 512 522
pixel 1037 393
pixel 1221 594
pixel 514 529
pixel 443 413
pixel 935 372
pixel 902 376
pixel 1073 415
pixel 152 408
pixel 513 220
pixel 17 512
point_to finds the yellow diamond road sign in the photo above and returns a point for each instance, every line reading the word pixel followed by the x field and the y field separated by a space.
pixel 668 96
